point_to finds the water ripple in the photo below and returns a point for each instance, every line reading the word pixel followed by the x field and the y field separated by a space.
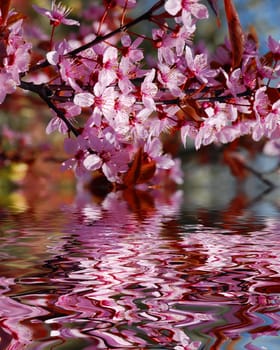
pixel 120 279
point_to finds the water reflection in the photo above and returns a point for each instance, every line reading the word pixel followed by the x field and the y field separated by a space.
pixel 138 270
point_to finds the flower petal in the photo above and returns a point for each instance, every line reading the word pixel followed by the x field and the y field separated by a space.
pixel 92 162
pixel 84 99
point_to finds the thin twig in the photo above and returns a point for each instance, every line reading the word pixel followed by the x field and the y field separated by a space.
pixel 145 16
pixel 260 176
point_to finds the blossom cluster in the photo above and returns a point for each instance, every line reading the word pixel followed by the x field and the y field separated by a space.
pixel 128 90
pixel 14 53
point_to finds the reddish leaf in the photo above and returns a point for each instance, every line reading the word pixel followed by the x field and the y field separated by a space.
pixel 4 7
pixel 273 94
pixel 235 33
pixel 147 171
pixel 15 17
pixel 192 110
pixel 133 173
pixel 141 170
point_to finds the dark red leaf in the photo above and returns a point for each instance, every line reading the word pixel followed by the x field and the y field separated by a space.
pixel 14 18
pixel 4 6
pixel 273 94
pixel 132 175
pixel 235 33
pixel 141 170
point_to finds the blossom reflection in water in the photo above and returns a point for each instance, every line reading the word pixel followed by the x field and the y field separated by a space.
pixel 133 271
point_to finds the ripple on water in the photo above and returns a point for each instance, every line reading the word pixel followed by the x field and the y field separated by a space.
pixel 102 281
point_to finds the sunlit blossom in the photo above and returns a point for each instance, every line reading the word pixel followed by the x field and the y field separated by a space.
pixel 193 6
pixel 57 14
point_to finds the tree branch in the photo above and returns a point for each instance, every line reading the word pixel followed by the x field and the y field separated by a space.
pixel 45 93
pixel 145 16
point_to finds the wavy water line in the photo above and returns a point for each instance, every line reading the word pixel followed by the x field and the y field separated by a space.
pixel 125 280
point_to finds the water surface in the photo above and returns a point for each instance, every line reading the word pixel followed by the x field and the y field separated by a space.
pixel 140 270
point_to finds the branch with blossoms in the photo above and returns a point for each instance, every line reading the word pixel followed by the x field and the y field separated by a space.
pixel 129 89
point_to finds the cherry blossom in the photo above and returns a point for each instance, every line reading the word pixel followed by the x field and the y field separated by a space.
pixel 171 78
pixel 107 155
pixel 108 72
pixel 14 58
pixel 130 49
pixel 103 100
pixel 153 148
pixel 76 147
pixel 57 14
pixel 273 45
pixel 148 92
pixel 219 117
pixel 197 66
pixel 193 6
pixel 272 121
pixel 7 85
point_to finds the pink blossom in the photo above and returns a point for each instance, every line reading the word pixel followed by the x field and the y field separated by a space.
pixel 272 121
pixel 258 130
pixel 84 99
pixel 193 6
pixel 78 148
pixel 69 72
pixel 234 82
pixel 20 62
pixel 198 66
pixel 211 129
pixel 153 148
pixel 273 45
pixel 185 33
pixel 7 85
pixel 120 122
pixel 188 129
pixel 108 73
pixel 164 43
pixel 57 124
pixel 148 92
pixel 57 14
pixel 15 57
pixel 130 50
pixel 171 79
pixel 55 56
pixel 261 103
pixel 107 156
pixel 103 101
pixel 125 71
pixel 164 121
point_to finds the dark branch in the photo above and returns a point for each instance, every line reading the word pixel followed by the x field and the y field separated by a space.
pixel 45 93
pixel 145 16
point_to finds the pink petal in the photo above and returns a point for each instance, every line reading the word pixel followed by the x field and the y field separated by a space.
pixel 84 99
pixel 92 162
pixel 70 22
pixel 173 6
